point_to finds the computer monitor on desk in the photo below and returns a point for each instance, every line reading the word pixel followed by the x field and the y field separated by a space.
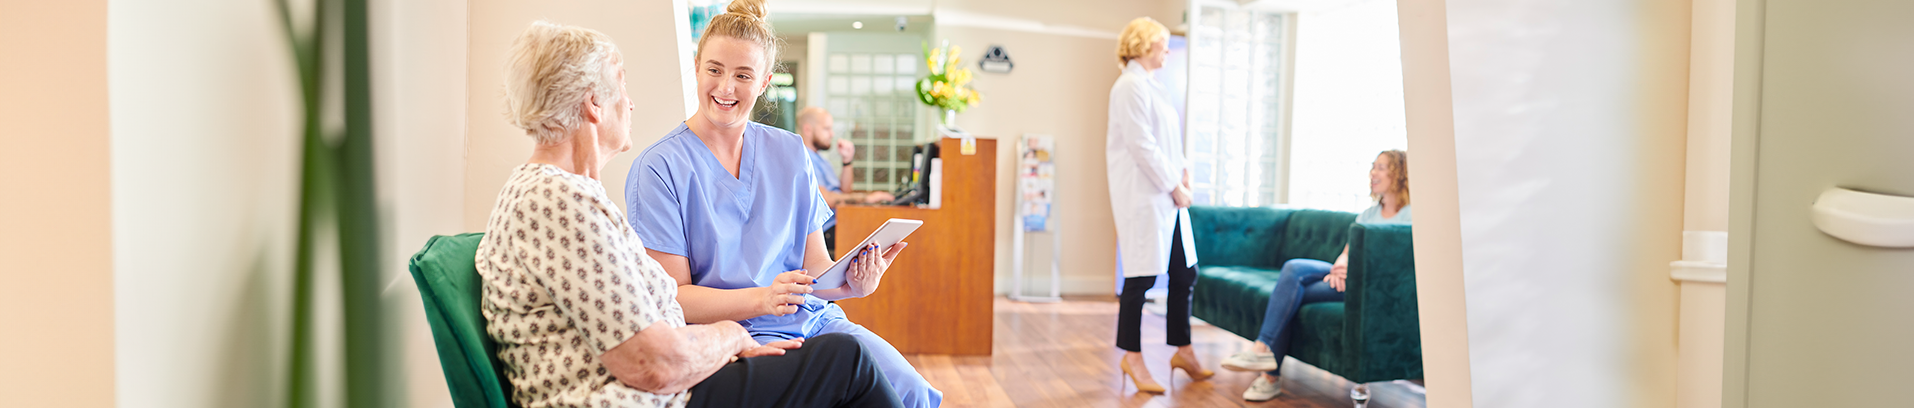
pixel 917 190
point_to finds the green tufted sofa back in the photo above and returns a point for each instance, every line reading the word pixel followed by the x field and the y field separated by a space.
pixel 1314 234
pixel 1238 236
pixel 1261 237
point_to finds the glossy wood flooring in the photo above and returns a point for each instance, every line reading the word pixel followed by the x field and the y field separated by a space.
pixel 1063 355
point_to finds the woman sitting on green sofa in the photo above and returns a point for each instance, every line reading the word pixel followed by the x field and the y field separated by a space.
pixel 1305 281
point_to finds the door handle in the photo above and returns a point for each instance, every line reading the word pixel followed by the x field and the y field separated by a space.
pixel 1865 218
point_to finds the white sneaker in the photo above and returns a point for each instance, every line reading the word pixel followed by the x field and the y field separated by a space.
pixel 1251 361
pixel 1261 389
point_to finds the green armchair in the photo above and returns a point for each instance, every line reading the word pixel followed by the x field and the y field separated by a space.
pixel 449 284
pixel 1373 335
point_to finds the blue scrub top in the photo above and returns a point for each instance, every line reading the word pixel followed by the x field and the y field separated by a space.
pixel 737 232
pixel 826 176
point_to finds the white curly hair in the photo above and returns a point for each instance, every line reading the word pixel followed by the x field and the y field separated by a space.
pixel 551 69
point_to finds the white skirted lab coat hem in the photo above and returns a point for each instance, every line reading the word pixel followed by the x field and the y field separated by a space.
pixel 1145 158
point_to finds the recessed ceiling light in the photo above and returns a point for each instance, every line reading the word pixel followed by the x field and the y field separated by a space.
pixel 857 25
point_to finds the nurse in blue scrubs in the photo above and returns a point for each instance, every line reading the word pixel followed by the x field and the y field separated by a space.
pixel 730 208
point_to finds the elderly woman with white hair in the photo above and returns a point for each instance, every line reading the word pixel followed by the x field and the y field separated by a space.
pixel 581 315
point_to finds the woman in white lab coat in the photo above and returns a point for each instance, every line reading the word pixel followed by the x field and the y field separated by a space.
pixel 1149 190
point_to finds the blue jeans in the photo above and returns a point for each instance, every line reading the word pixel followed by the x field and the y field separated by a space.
pixel 1301 283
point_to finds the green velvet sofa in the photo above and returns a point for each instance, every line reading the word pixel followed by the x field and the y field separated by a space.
pixel 1373 335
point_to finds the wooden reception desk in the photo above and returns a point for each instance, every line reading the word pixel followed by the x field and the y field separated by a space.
pixel 936 297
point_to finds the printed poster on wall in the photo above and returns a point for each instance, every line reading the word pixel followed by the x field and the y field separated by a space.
pixel 1037 181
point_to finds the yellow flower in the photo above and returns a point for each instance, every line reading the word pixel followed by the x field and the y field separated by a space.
pixel 960 77
pixel 975 98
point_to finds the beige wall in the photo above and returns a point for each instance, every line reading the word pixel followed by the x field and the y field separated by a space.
pixel 1060 87
pixel 1051 68
pixel 58 300
pixel 418 74
pixel 647 33
pixel 1428 104
pixel 205 117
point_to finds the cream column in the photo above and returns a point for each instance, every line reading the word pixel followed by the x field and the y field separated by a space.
pixel 1428 107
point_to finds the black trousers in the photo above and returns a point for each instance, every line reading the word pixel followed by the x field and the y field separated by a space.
pixel 1130 303
pixel 830 370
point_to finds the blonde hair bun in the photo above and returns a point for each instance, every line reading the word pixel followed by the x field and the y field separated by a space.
pixel 745 20
pixel 750 8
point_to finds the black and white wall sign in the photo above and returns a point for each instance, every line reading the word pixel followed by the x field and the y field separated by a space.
pixel 996 61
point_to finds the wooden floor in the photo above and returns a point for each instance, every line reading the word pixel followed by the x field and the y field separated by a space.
pixel 1063 355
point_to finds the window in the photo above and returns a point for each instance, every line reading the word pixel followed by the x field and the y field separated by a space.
pixel 1348 103
pixel 1234 124
pixel 873 100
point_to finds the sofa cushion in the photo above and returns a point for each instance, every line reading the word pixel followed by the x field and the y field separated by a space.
pixel 1237 236
pixel 1312 234
pixel 1233 297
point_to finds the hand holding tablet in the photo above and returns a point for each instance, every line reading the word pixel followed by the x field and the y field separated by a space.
pixel 892 232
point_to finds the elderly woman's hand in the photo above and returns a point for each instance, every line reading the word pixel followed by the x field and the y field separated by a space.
pixel 867 270
pixel 775 348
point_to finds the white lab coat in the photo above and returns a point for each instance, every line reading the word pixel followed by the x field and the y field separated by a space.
pixel 1145 158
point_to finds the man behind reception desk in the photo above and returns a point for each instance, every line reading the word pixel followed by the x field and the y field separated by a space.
pixel 814 124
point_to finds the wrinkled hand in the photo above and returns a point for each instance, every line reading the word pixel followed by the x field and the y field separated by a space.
pixel 1338 277
pixel 1181 196
pixel 784 295
pixel 867 270
pixel 775 348
pixel 846 149
pixel 879 197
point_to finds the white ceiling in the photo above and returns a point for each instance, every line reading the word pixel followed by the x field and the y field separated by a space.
pixel 853 7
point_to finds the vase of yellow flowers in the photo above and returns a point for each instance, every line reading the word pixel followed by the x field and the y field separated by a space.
pixel 947 88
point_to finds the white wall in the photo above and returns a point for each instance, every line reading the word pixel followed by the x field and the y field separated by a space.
pixel 205 123
pixel 648 34
pixel 55 219
pixel 1570 134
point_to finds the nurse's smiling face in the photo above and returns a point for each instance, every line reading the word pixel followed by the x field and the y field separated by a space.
pixel 731 75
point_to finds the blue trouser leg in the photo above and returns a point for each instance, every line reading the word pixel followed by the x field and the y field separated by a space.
pixel 910 386
pixel 1301 282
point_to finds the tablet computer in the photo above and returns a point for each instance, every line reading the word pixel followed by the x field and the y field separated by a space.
pixel 886 235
